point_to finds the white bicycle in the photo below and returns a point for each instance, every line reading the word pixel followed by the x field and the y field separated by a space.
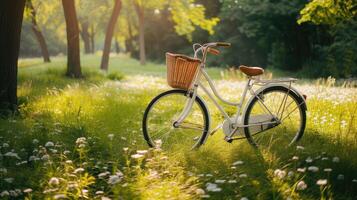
pixel 275 112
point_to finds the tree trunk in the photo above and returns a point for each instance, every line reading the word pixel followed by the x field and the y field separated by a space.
pixel 11 14
pixel 140 13
pixel 109 35
pixel 129 42
pixel 117 48
pixel 86 36
pixel 39 36
pixel 92 34
pixel 73 51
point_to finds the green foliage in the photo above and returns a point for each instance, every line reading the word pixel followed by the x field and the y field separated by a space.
pixel 328 11
pixel 116 76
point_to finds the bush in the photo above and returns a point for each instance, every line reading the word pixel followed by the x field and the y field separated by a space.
pixel 115 76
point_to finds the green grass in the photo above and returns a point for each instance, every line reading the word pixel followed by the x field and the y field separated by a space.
pixel 56 111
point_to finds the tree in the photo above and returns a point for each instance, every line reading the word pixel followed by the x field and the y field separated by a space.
pixel 11 14
pixel 328 12
pixel 109 35
pixel 37 31
pixel 72 29
pixel 86 36
pixel 185 14
pixel 91 15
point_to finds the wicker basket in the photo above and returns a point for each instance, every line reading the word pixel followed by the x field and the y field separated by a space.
pixel 181 70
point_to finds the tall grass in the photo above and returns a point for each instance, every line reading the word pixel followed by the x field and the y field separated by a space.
pixel 82 139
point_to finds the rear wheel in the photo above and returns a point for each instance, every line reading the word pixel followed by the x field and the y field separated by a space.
pixel 159 127
pixel 284 121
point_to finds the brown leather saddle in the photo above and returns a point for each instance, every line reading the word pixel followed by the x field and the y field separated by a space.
pixel 251 71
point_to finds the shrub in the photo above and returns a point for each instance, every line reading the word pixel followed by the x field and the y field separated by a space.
pixel 116 76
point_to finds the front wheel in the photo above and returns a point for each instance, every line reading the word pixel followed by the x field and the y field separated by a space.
pixel 159 127
pixel 277 115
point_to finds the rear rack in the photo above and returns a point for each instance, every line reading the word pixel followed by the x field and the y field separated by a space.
pixel 258 81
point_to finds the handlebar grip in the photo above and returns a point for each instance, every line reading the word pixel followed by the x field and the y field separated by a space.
pixel 223 44
pixel 213 51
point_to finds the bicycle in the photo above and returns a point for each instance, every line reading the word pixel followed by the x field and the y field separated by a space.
pixel 276 112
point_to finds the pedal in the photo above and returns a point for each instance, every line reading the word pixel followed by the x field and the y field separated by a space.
pixel 228 139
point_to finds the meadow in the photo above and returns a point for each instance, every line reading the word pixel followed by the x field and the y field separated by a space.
pixel 82 139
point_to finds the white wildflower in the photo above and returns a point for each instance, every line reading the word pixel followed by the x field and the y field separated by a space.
pixel 53 150
pixel 244 198
pixel 78 170
pixel 309 160
pixel 4 193
pixel 335 159
pixel 123 138
pixel 66 152
pixel 114 179
pixel 12 154
pixel 220 181
pixel 302 170
pixel 301 185
pixel 142 152
pixel 354 181
pixel 239 162
pixel 136 156
pixel 60 196
pixel 313 169
pixel 105 198
pixel 232 181
pixel 211 187
pixel 327 170
pixel 279 173
pixel 103 174
pixel 324 158
pixel 295 158
pixel 243 176
pixel 321 182
pixel 110 136
pixel 300 148
pixel 209 175
pixel 35 141
pixel 45 157
pixel 5 145
pixel 81 142
pixel 125 149
pixel 28 190
pixel 205 196
pixel 34 158
pixel 99 192
pixel 49 144
pixel 54 181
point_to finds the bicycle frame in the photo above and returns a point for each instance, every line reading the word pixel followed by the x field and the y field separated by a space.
pixel 251 81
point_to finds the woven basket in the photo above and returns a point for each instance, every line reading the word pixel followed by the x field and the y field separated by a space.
pixel 181 70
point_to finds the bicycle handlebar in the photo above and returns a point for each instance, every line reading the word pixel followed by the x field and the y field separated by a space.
pixel 223 44
pixel 207 46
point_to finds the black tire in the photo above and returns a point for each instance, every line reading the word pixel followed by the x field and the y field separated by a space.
pixel 200 104
pixel 301 105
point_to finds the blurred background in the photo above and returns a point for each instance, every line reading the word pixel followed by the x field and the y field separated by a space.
pixel 309 38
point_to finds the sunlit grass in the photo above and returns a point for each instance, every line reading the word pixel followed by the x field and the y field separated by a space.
pixel 40 149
